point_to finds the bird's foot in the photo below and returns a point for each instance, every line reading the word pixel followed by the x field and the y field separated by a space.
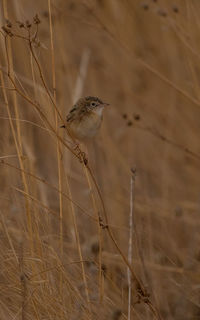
pixel 80 154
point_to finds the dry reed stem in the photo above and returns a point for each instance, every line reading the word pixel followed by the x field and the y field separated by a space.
pixel 130 244
pixel 58 144
pixel 25 121
pixel 23 280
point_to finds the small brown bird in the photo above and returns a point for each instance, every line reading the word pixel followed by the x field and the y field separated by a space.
pixel 85 118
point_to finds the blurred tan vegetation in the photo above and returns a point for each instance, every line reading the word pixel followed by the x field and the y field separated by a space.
pixel 56 260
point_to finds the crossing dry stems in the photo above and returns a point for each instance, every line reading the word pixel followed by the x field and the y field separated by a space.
pixel 70 232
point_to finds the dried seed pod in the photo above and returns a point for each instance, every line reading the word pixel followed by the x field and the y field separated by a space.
pixel 28 24
pixel 8 24
pixel 145 6
pixel 162 13
pixel 117 314
pixel 7 31
pixel 175 9
pixel 21 24
pixel 36 19
pixel 136 117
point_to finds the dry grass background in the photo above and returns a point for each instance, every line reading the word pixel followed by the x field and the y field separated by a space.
pixel 142 58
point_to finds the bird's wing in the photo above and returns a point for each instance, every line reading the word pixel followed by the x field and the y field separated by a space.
pixel 76 113
pixel 72 114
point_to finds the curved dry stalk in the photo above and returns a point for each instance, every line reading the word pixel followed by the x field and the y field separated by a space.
pixel 162 137
pixel 25 121
pixel 130 244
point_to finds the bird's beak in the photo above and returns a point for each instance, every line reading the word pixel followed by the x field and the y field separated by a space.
pixel 105 104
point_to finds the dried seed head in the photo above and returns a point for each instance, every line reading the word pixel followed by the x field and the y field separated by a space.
pixel 4 29
pixel 145 6
pixel 117 314
pixel 129 123
pixel 136 117
pixel 175 9
pixel 133 170
pixel 36 19
pixel 28 24
pixel 95 248
pixel 162 13
pixel 22 277
pixel 178 211
pixel 36 43
pixel 21 24
pixel 45 14
pixel 104 269
pixel 8 24
pixel 7 31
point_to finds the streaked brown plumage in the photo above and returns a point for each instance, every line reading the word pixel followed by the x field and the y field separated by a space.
pixel 85 117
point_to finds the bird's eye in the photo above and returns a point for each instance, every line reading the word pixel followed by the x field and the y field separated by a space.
pixel 93 104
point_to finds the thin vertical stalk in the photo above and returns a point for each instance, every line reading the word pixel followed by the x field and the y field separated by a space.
pixel 130 244
pixel 58 144
pixel 23 282
pixel 99 234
